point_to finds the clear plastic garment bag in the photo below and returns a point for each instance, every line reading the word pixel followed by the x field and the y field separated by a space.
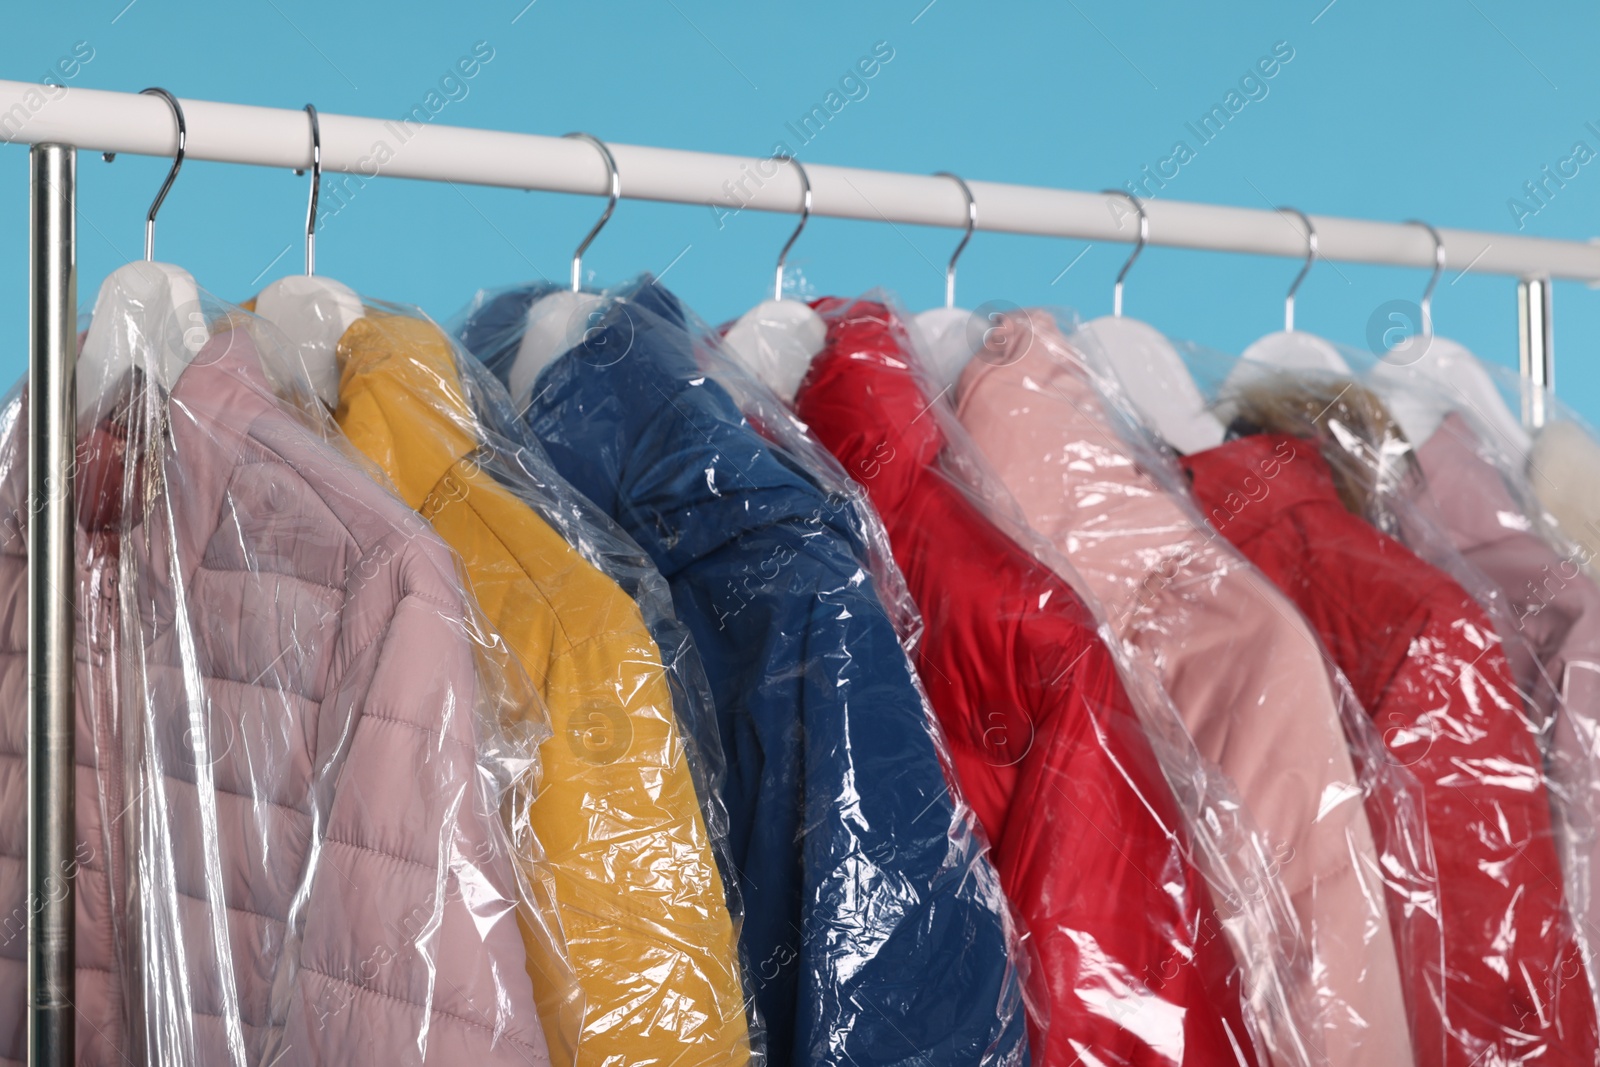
pixel 1319 485
pixel 874 926
pixel 1107 826
pixel 1245 672
pixel 628 808
pixel 290 750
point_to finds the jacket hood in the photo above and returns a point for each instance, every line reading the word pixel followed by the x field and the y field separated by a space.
pixel 1368 453
pixel 664 448
pixel 865 388
pixel 496 321
pixel 414 357
pixel 494 324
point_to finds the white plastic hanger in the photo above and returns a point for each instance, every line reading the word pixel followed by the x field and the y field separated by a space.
pixel 945 333
pixel 146 312
pixel 1152 373
pixel 313 312
pixel 1291 349
pixel 557 321
pixel 777 339
pixel 1454 375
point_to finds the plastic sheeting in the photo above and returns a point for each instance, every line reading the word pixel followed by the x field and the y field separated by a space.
pixel 1343 823
pixel 1476 494
pixel 1561 466
pixel 875 930
pixel 290 759
pixel 1471 693
pixel 1545 604
pixel 637 879
pixel 1423 637
pixel 1503 509
pixel 1557 608
pixel 1088 833
pixel 1444 464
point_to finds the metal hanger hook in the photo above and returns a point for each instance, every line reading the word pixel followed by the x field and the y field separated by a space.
pixel 805 213
pixel 316 189
pixel 1438 269
pixel 172 175
pixel 615 194
pixel 1311 257
pixel 1138 246
pixel 972 224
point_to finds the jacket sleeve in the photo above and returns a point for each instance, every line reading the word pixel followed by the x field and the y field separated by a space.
pixel 903 946
pixel 642 902
pixel 411 951
pixel 1452 715
pixel 1239 664
pixel 1092 841
pixel 1272 721
pixel 1556 609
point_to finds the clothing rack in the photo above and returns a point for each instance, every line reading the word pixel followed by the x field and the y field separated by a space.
pixel 57 120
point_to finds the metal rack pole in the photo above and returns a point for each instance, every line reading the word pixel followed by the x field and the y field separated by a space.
pixel 52 417
pixel 1534 329
pixel 356 150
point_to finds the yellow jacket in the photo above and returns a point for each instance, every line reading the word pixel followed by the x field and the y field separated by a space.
pixel 637 888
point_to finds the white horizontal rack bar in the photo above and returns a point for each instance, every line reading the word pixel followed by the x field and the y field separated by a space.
pixel 275 137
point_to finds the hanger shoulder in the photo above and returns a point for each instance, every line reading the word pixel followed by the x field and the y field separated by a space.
pixel 147 315
pixel 1157 382
pixel 776 341
pixel 313 312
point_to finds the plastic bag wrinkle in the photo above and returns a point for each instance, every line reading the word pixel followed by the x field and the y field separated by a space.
pixel 643 908
pixel 1045 741
pixel 766 567
pixel 1343 826
pixel 269 745
pixel 1440 632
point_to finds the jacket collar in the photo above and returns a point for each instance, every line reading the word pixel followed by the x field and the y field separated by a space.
pixel 592 413
pixel 220 401
pixel 494 325
pixel 402 402
pixel 866 368
pixel 1244 485
pixel 1035 356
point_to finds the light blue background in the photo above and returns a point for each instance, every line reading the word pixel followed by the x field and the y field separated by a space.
pixel 1440 110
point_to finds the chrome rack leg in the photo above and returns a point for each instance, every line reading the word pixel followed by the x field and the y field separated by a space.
pixel 52 417
pixel 1534 335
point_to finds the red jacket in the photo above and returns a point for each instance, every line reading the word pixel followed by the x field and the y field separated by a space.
pixel 1047 747
pixel 1426 664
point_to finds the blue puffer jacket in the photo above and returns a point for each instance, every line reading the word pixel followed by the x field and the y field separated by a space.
pixel 873 928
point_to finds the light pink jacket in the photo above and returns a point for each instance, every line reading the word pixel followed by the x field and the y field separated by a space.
pixel 1239 663
pixel 288 850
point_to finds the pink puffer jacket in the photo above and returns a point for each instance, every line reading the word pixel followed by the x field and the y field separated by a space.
pixel 1239 662
pixel 289 847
